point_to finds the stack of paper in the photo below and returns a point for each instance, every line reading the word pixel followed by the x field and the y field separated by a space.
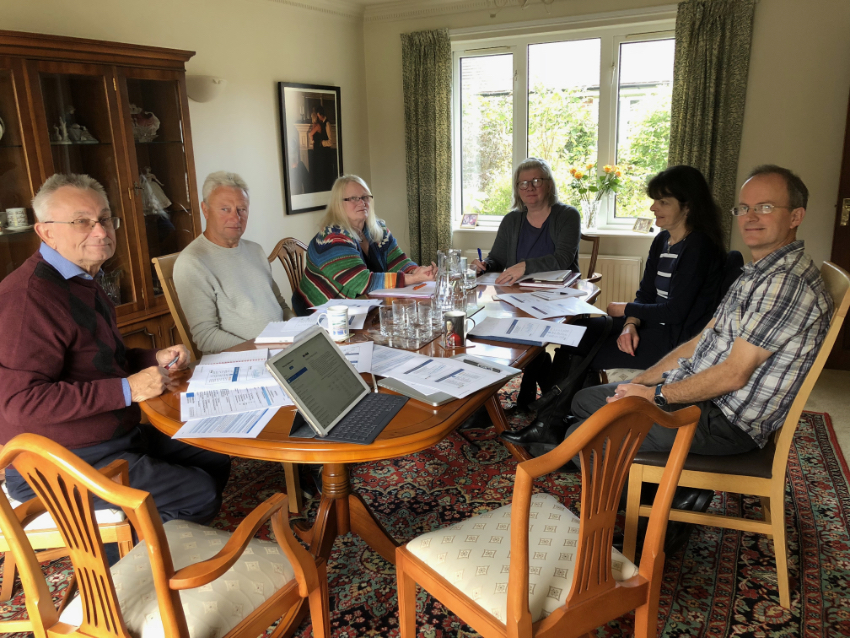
pixel 540 308
pixel 528 331
pixel 286 331
pixel 415 291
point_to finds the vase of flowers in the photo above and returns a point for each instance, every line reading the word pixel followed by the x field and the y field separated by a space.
pixel 591 188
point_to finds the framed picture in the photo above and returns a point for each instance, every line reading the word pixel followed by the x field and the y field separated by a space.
pixel 311 139
pixel 469 221
pixel 643 225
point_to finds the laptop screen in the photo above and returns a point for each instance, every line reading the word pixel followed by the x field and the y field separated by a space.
pixel 320 378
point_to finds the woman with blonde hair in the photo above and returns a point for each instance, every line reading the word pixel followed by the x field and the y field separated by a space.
pixel 354 252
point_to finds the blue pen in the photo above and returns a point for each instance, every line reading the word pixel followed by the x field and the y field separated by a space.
pixel 480 258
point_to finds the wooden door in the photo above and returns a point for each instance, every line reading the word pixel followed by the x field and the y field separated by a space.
pixel 840 357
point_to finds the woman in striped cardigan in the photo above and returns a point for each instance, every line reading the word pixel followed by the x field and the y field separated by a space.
pixel 354 252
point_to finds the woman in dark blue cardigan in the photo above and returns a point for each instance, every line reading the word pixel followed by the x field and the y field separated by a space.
pixel 679 290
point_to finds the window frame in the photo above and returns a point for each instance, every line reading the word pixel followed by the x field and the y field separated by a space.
pixel 611 31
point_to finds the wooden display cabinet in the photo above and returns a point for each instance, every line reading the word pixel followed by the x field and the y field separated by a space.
pixel 118 112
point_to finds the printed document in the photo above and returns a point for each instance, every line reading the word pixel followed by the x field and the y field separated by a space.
pixel 385 360
pixel 246 425
pixel 359 355
pixel 545 309
pixel 285 331
pixel 447 375
pixel 260 354
pixel 207 403
pixel 529 331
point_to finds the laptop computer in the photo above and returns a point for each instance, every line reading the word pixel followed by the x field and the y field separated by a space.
pixel 330 394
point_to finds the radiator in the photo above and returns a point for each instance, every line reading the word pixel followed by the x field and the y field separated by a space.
pixel 620 277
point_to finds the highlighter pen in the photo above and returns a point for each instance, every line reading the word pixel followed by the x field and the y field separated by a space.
pixel 419 286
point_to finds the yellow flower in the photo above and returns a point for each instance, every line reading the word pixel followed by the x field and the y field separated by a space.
pixel 578 174
pixel 607 168
pixel 573 172
pixel 618 173
pixel 589 166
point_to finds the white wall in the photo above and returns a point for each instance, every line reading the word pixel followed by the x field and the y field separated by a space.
pixel 253 44
pixel 796 102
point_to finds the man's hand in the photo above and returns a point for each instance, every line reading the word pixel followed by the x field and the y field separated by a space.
pixel 632 390
pixel 509 276
pixel 149 383
pixel 628 340
pixel 617 309
pixel 165 356
pixel 478 265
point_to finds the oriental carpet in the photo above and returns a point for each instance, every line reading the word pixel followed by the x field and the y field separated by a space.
pixel 722 583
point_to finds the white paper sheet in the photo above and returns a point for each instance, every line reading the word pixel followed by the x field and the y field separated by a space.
pixel 245 425
pixel 560 293
pixel 488 278
pixel 207 403
pixel 447 375
pixel 359 354
pixel 522 330
pixel 424 290
pixel 546 309
pixel 285 331
pixel 224 376
pixel 385 359
pixel 355 306
pixel 260 354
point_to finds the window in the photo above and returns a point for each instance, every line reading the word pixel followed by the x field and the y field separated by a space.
pixel 587 96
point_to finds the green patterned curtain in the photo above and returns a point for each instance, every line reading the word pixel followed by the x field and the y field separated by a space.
pixel 427 70
pixel 709 92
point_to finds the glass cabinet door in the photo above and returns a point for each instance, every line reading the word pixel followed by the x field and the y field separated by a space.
pixel 162 181
pixel 79 113
pixel 17 238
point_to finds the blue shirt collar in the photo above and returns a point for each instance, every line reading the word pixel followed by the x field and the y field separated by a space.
pixel 66 268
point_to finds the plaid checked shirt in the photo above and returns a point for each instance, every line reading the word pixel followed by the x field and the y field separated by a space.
pixel 780 304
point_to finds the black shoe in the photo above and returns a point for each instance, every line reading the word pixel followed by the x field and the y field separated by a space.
pixel 310 477
pixel 537 433
pixel 518 410
pixel 479 420
pixel 686 498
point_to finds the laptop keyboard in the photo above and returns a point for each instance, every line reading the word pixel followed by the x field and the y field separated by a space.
pixel 363 424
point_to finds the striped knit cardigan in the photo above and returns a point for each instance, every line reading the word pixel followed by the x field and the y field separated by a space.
pixel 335 267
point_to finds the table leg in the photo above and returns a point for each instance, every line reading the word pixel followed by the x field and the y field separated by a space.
pixel 500 422
pixel 341 512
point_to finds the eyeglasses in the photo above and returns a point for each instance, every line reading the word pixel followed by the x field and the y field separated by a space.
pixel 536 182
pixel 759 209
pixel 363 198
pixel 84 225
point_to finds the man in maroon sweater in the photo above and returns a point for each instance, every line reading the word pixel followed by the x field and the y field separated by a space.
pixel 66 374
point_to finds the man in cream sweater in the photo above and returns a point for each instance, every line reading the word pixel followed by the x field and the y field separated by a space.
pixel 224 282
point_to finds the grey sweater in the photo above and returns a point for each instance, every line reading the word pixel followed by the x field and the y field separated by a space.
pixel 564 228
pixel 227 294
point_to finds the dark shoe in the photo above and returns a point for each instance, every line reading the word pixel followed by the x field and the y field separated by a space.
pixel 479 420
pixel 537 432
pixel 686 498
pixel 310 476
pixel 518 410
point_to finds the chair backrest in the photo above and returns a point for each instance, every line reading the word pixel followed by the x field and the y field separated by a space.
pixel 165 271
pixel 607 443
pixel 291 253
pixel 837 282
pixel 66 486
pixel 594 254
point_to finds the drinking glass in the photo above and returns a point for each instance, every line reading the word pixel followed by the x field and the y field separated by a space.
pixel 404 317
pixel 385 314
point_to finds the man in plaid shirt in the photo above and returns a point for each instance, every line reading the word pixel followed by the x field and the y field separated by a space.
pixel 746 367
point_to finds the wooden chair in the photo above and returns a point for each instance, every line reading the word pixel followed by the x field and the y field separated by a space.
pixel 291 253
pixel 592 275
pixel 760 473
pixel 561 577
pixel 179 570
pixel 165 271
pixel 45 538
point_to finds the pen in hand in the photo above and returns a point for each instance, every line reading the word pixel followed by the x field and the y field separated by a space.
pixel 171 363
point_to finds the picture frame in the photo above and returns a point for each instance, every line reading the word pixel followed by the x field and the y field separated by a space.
pixel 311 141
pixel 470 220
pixel 643 225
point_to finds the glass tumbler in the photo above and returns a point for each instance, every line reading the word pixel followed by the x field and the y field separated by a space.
pixel 385 314
pixel 404 317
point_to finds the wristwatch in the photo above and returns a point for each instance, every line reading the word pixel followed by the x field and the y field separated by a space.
pixel 660 400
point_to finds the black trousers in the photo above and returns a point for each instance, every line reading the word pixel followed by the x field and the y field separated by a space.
pixel 186 482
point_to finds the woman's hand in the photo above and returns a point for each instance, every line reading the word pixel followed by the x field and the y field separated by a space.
pixel 509 276
pixel 420 274
pixel 478 266
pixel 617 309
pixel 628 340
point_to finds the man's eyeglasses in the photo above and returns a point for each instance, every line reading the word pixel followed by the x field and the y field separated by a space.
pixel 525 184
pixel 759 209
pixel 84 225
pixel 363 198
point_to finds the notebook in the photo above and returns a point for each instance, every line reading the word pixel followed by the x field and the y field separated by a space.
pixel 330 394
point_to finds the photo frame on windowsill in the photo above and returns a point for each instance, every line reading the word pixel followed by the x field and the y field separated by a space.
pixel 311 140
pixel 469 220
pixel 643 225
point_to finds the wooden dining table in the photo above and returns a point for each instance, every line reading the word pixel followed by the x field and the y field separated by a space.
pixel 416 427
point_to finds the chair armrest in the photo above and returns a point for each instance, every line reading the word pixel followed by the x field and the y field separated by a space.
pixel 207 571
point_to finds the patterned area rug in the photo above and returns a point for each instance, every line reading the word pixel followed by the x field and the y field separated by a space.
pixel 723 583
